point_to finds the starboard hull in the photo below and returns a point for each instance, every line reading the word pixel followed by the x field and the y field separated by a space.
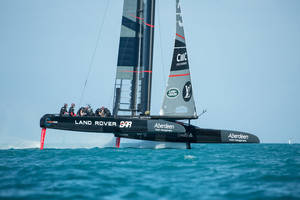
pixel 146 129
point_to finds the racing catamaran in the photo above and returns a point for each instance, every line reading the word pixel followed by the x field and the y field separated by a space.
pixel 132 96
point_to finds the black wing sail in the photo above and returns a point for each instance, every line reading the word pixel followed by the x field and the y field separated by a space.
pixel 134 68
pixel 178 98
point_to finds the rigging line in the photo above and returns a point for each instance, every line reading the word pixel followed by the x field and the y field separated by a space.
pixel 161 48
pixel 94 52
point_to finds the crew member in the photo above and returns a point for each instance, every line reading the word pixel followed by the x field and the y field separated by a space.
pixel 64 110
pixel 107 112
pixel 101 112
pixel 89 110
pixel 71 110
pixel 81 112
pixel 98 112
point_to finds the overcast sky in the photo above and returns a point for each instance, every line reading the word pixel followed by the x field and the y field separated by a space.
pixel 244 58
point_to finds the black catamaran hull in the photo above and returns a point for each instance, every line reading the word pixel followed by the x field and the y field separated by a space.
pixel 146 129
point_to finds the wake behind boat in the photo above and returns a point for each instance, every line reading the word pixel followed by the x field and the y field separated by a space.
pixel 132 97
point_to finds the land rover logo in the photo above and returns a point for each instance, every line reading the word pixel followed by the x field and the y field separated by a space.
pixel 172 93
pixel 187 91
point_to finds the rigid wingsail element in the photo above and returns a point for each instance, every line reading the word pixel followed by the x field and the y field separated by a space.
pixel 178 98
pixel 134 70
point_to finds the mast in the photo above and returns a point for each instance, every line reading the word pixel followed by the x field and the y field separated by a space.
pixel 149 14
pixel 135 80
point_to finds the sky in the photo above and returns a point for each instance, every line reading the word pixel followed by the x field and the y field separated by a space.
pixel 244 59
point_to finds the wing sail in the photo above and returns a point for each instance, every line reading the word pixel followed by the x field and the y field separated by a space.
pixel 134 70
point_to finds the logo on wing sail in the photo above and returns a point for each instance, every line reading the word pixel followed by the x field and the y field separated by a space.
pixel 187 91
pixel 172 93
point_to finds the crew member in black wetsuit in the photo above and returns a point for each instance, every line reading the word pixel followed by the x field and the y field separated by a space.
pixel 100 112
pixel 64 110
pixel 71 110
pixel 107 112
pixel 103 112
pixel 89 110
pixel 97 112
pixel 81 112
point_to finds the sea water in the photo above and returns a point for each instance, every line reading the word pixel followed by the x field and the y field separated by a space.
pixel 207 171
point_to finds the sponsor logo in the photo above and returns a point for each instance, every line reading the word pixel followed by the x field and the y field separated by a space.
pixel 96 123
pixel 181 57
pixel 125 124
pixel 238 137
pixel 164 127
pixel 48 121
pixel 172 93
pixel 187 91
pixel 83 122
pixel 105 123
pixel 186 135
pixel 180 23
pixel 51 122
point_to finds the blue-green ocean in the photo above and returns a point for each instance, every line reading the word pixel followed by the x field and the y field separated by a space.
pixel 208 171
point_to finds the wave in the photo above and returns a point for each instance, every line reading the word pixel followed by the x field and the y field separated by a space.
pixel 125 143
pixel 189 157
pixel 25 144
